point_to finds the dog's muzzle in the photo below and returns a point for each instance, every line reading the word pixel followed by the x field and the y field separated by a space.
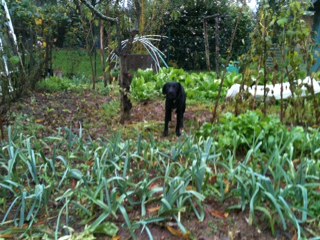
pixel 171 95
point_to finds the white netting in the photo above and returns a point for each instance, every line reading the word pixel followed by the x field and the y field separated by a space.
pixel 274 91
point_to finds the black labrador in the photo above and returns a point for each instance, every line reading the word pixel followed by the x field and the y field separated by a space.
pixel 175 99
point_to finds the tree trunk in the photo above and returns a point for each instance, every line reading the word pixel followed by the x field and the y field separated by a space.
pixel 102 53
pixel 126 104
pixel 206 43
pixel 137 5
pixel 91 46
pixel 125 80
pixel 217 38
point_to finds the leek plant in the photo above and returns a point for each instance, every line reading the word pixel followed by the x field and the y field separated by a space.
pixel 100 180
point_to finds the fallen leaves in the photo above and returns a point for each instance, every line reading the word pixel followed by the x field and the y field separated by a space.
pixel 40 121
pixel 218 214
pixel 227 183
pixel 178 233
pixel 153 210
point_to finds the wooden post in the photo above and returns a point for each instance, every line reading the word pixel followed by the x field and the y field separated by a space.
pixel 214 114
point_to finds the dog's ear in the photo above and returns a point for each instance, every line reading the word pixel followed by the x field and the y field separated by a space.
pixel 164 89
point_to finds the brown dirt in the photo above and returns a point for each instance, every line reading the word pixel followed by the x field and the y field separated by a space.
pixel 69 109
pixel 233 226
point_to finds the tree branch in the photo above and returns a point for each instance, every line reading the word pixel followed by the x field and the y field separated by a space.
pixel 98 13
pixel 105 18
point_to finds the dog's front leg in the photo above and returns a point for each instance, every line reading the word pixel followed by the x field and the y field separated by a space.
pixel 166 126
pixel 179 123
pixel 167 119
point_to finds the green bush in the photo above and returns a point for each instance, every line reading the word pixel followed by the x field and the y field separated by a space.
pixel 147 85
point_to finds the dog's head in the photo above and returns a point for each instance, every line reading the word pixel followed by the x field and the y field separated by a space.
pixel 172 90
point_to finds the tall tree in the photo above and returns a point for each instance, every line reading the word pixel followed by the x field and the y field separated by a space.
pixel 124 77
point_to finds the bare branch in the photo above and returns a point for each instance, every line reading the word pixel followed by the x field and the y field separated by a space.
pixel 98 13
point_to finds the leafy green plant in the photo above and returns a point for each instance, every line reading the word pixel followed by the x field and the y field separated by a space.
pixel 144 87
pixel 147 85
pixel 277 188
pixel 278 196
pixel 243 131
pixel 28 200
pixel 176 197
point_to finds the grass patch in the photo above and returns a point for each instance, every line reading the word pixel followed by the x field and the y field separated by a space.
pixel 74 62
pixel 56 84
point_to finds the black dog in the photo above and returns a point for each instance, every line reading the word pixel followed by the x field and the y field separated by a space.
pixel 175 99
